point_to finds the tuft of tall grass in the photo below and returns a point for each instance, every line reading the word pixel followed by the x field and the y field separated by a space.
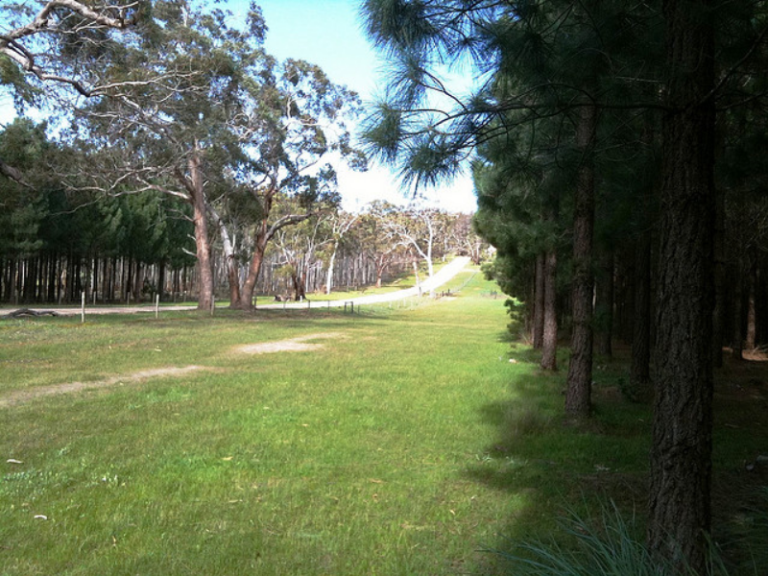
pixel 606 547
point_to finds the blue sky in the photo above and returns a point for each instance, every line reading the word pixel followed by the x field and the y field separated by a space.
pixel 325 32
pixel 329 33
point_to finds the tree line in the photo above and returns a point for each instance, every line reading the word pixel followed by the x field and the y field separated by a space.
pixel 615 149
pixel 57 244
pixel 186 161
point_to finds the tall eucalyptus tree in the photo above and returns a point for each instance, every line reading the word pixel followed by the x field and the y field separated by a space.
pixel 289 129
pixel 204 113
pixel 373 241
pixel 167 123
pixel 56 48
pixel 64 42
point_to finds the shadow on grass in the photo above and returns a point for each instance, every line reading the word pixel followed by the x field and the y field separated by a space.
pixel 546 468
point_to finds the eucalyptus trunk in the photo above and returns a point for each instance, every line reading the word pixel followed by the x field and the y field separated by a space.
pixel 254 269
pixel 202 243
pixel 329 274
pixel 230 259
pixel 382 263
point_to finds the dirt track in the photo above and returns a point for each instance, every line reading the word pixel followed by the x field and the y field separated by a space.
pixel 304 343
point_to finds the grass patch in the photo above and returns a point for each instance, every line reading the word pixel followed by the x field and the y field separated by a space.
pixel 348 459
pixel 404 443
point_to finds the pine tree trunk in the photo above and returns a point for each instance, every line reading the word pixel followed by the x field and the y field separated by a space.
pixel 604 304
pixel 51 294
pixel 128 283
pixel 5 281
pixel 718 315
pixel 138 282
pixel 75 284
pixel 15 281
pixel 175 286
pixel 61 279
pixel 640 369
pixel 549 336
pixel 538 302
pixel 681 464
pixel 30 279
pixel 161 278
pixel 626 317
pixel 95 281
pixel 578 401
pixel 761 300
pixel 737 336
pixel 751 339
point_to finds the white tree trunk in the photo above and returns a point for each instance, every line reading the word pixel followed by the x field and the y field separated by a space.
pixel 329 274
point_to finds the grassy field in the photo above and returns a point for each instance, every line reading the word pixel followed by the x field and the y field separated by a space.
pixel 404 440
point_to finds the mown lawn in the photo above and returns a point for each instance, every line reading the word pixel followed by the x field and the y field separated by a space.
pixel 352 458
pixel 405 442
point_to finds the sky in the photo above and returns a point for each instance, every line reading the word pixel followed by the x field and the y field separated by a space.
pixel 329 33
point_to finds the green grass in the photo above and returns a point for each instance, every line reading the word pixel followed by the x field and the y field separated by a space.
pixel 347 460
pixel 405 445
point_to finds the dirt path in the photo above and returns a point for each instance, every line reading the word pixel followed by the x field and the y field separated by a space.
pixel 298 344
pixel 22 396
pixel 100 310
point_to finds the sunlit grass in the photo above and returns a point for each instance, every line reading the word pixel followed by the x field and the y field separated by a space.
pixel 410 440
pixel 350 459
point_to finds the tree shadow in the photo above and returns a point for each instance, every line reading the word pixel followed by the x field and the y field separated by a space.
pixel 546 467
